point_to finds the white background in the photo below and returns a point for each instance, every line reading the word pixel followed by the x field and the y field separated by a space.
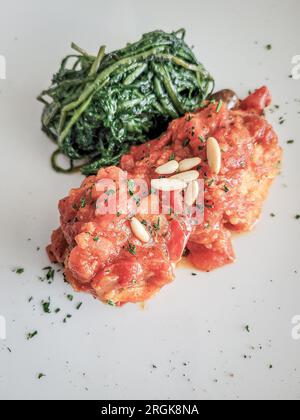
pixel 104 352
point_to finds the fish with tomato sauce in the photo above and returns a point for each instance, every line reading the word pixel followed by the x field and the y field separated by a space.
pixel 101 254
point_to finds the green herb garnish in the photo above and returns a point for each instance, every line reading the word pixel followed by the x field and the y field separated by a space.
pixel 66 318
pixel 172 157
pixel 19 270
pixel 30 336
pixel 49 275
pixel 110 192
pixel 46 306
pixel 132 249
pixel 131 186
pixel 156 226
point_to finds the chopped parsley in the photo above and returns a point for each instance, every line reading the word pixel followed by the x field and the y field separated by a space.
pixel 19 270
pixel 247 328
pixel 96 239
pixel 66 318
pixel 202 139
pixel 290 141
pixel 83 202
pixel 110 192
pixel 269 47
pixel 297 217
pixel 70 298
pixel 46 306
pixel 172 157
pixel 111 303
pixel 31 335
pixel 186 142
pixel 132 249
pixel 41 375
pixel 78 306
pixel 137 201
pixel 226 188
pixel 281 120
pixel 49 275
pixel 156 226
pixel 131 186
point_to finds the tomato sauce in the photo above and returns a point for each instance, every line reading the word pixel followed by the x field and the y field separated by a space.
pixel 102 256
pixel 100 253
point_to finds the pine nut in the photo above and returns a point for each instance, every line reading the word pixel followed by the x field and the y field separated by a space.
pixel 214 155
pixel 168 184
pixel 188 164
pixel 186 176
pixel 192 193
pixel 168 168
pixel 139 230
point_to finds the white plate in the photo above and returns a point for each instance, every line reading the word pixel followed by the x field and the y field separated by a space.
pixel 194 330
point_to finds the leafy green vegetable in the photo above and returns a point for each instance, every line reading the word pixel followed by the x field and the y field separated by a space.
pixel 97 107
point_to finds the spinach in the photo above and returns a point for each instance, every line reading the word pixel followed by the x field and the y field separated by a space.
pixel 97 107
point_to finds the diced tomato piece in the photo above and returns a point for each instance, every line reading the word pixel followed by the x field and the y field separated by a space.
pixel 209 258
pixel 258 101
pixel 177 241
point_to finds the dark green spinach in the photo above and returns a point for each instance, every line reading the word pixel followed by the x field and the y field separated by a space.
pixel 97 107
